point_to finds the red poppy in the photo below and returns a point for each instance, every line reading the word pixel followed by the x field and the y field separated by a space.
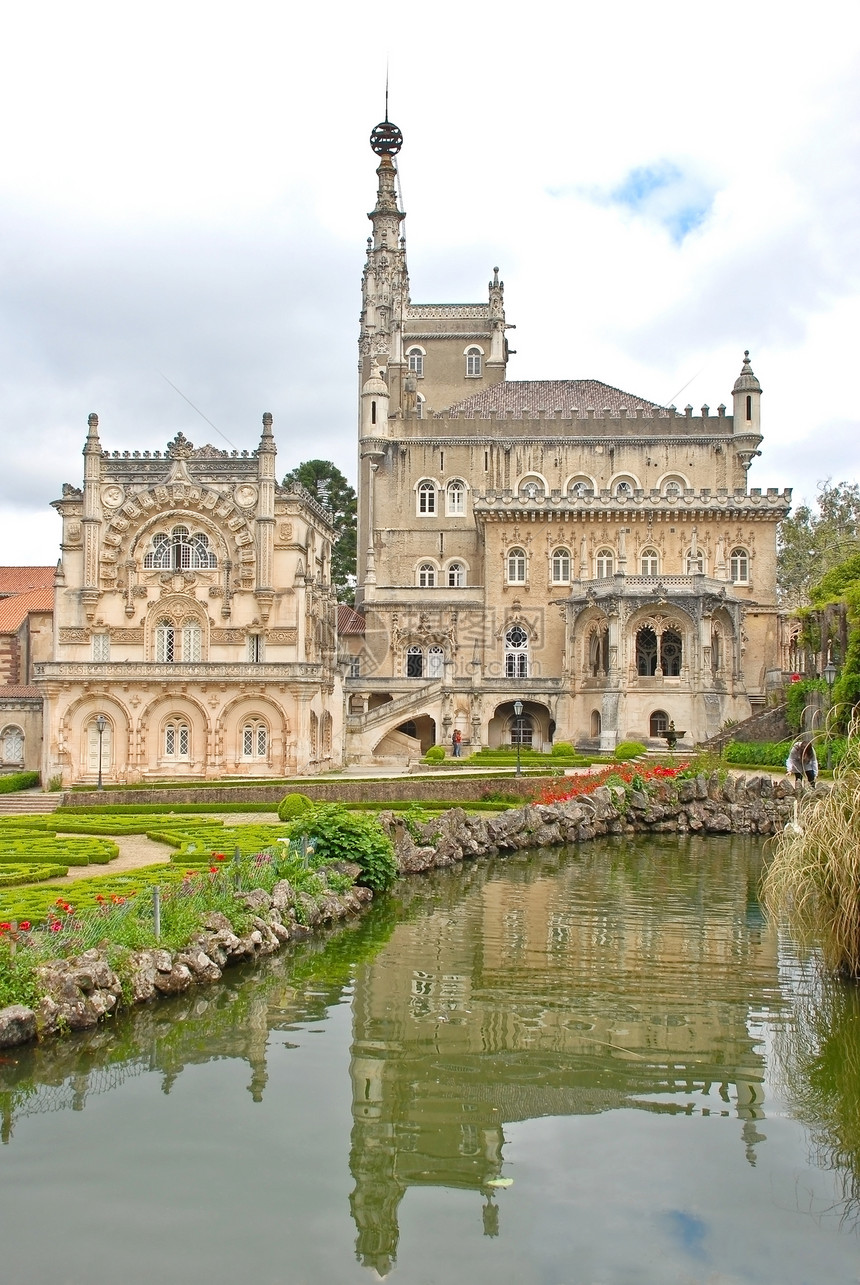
pixel 213 870
pixel 5 928
pixel 219 856
pixel 24 925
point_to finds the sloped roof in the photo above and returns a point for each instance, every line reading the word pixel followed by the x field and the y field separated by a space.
pixel 20 579
pixel 349 621
pixel 16 608
pixel 19 692
pixel 554 394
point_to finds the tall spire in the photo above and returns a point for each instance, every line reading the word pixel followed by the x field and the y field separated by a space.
pixel 385 286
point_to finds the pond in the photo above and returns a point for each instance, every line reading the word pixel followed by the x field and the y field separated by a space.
pixel 593 1065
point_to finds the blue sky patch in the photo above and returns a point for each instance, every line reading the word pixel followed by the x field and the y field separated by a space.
pixel 661 193
pixel 688 1231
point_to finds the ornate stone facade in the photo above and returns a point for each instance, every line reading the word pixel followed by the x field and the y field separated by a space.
pixel 194 621
pixel 560 542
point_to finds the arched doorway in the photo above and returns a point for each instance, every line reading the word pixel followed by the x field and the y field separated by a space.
pixel 596 724
pixel 659 724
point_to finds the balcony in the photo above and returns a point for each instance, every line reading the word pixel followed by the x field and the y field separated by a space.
pixel 132 671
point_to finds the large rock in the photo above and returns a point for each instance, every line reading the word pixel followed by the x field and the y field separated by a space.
pixel 17 1025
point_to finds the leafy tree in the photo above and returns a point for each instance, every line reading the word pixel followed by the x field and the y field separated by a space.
pixel 326 483
pixel 812 541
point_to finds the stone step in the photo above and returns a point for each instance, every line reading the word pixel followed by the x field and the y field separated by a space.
pixel 27 803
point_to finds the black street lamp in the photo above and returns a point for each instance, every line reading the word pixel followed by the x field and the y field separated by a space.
pixel 518 731
pixel 829 675
pixel 101 724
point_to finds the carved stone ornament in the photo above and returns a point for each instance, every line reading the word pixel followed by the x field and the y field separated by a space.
pixel 284 636
pixel 73 533
pixel 180 448
pixel 72 635
pixel 112 497
pixel 246 496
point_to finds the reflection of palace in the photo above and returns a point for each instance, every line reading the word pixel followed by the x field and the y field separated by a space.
pixel 527 999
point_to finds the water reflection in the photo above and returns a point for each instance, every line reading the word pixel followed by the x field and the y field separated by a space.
pixel 555 985
pixel 623 975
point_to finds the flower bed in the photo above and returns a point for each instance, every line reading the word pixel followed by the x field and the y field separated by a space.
pixel 618 774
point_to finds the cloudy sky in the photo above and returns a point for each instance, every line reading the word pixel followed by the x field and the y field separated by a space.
pixel 185 188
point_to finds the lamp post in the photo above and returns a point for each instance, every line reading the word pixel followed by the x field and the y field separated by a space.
pixel 518 731
pixel 101 724
pixel 829 675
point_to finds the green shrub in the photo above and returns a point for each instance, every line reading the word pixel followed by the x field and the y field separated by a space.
pixel 18 781
pixel 563 750
pixel 436 754
pixel 757 753
pixel 798 696
pixel 339 835
pixel 628 750
pixel 293 806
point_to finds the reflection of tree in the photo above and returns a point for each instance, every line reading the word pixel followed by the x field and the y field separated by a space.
pixel 818 1059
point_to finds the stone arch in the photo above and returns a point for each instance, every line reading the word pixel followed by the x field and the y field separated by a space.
pixel 532 480
pixel 152 726
pixel 180 502
pixel 229 727
pixel 578 485
pixel 12 740
pixel 533 727
pixel 660 644
pixel 73 737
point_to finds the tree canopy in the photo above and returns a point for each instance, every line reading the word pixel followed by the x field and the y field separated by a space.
pixel 326 483
pixel 812 541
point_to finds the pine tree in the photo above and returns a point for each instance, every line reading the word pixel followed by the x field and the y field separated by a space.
pixel 325 482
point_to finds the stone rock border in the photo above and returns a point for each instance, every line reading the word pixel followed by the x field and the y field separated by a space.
pixel 78 993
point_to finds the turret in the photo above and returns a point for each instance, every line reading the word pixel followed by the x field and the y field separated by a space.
pixel 375 402
pixel 385 286
pixel 746 396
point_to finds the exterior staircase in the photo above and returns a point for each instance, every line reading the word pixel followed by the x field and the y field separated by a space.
pixel 28 803
pixel 402 707
pixel 765 725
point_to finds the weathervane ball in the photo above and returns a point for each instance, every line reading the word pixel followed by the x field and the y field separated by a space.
pixel 386 139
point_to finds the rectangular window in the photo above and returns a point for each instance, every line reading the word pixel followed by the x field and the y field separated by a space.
pixel 183 741
pixel 101 646
pixel 255 648
pixel 248 741
pixel 354 667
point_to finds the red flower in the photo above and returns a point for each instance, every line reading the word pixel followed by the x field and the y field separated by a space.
pixel 219 856
pixel 24 925
pixel 55 925
pixel 213 870
pixel 99 896
pixel 5 928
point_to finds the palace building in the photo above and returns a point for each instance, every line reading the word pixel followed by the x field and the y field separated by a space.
pixel 194 627
pixel 560 543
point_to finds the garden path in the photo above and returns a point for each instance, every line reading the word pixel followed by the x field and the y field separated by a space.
pixel 136 850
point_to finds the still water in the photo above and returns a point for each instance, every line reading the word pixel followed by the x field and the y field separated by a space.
pixel 597 1065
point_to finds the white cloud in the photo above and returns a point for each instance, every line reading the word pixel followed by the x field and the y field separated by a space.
pixel 183 191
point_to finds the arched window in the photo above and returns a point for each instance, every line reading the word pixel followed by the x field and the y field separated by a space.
pixel 255 739
pixel 191 640
pixel 419 406
pixel 414 662
pixel 456 575
pixel 455 499
pixel 670 653
pixel 659 723
pixel 596 724
pixel 180 551
pixel 580 487
pixel 604 564
pixel 532 488
pixel 516 652
pixel 646 652
pixel 650 562
pixel 426 498
pixel 177 739
pixel 12 745
pixel 623 490
pixel 695 562
pixel 426 575
pixel 740 566
pixel 560 570
pixel 165 641
pixel 474 362
pixel 516 566
pixel 672 489
pixel 416 361
pixel 435 662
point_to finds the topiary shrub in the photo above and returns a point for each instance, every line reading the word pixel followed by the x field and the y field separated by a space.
pixel 563 750
pixel 18 781
pixel 293 806
pixel 629 750
pixel 436 754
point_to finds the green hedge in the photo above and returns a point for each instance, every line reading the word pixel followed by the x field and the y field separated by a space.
pixel 758 753
pixel 29 872
pixel 628 750
pixel 39 848
pixel 18 781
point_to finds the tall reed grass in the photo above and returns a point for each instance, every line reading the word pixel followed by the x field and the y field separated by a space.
pixel 814 877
